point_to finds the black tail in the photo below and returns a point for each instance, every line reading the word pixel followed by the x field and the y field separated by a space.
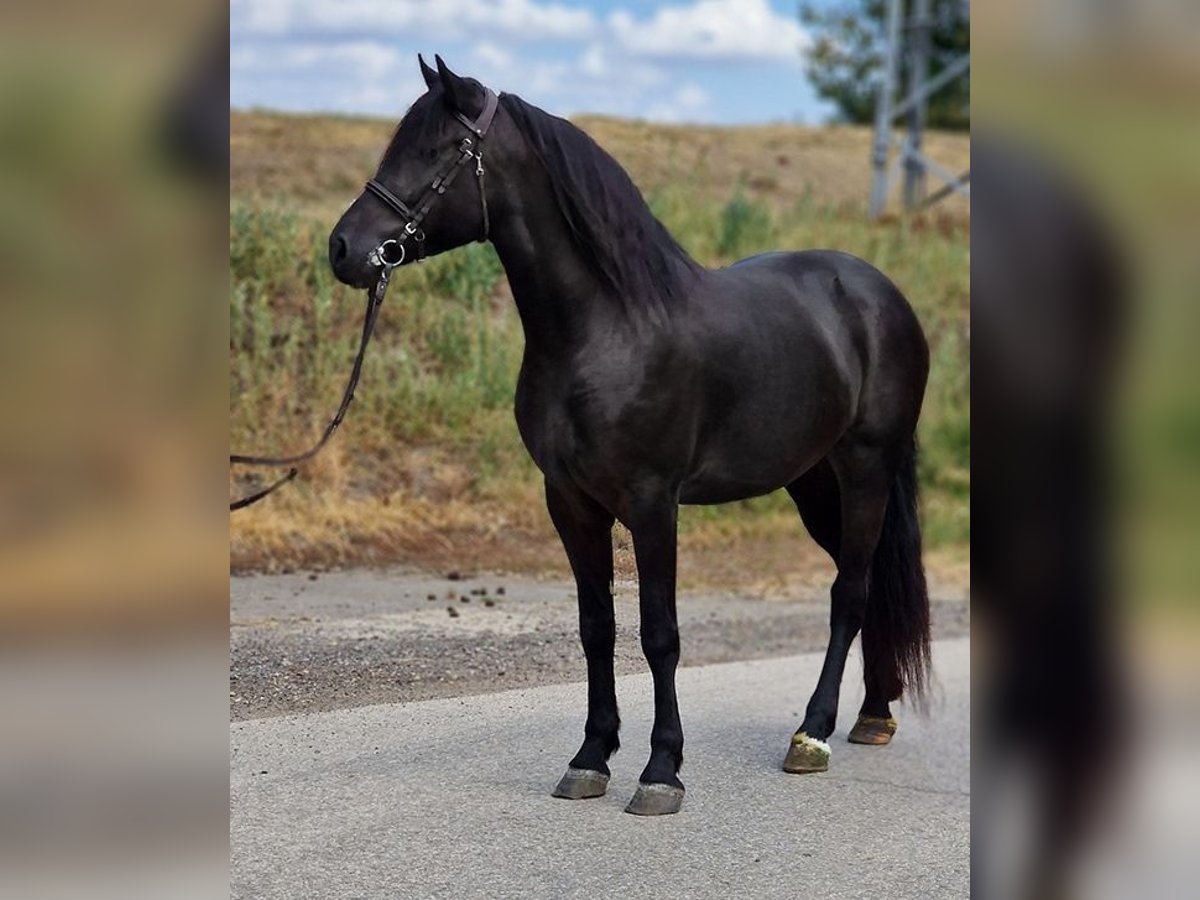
pixel 895 633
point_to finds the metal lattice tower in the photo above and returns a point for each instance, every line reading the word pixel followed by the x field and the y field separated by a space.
pixel 911 43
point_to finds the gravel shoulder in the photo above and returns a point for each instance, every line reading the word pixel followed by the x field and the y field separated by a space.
pixel 322 641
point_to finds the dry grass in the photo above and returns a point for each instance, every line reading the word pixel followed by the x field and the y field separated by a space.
pixel 428 469
pixel 778 164
pixel 314 165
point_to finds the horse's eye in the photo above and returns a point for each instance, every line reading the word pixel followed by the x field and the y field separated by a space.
pixel 429 153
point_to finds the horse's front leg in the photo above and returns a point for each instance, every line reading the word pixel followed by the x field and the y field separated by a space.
pixel 586 531
pixel 653 527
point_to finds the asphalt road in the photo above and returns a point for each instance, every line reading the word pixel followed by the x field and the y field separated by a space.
pixel 451 797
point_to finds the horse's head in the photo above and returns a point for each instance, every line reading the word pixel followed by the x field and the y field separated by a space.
pixel 428 194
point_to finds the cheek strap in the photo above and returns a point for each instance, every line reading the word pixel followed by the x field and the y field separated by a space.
pixel 470 149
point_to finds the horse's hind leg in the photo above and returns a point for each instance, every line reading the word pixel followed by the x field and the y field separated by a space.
pixel 586 532
pixel 818 499
pixel 819 502
pixel 864 475
pixel 875 724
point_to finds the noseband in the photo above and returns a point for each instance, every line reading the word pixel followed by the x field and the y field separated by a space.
pixel 470 149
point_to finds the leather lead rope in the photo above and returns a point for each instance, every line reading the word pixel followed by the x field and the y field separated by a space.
pixel 469 149
pixel 374 302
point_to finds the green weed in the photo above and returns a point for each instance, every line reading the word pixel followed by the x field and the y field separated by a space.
pixel 442 370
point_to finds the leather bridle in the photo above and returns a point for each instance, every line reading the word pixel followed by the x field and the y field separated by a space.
pixel 471 148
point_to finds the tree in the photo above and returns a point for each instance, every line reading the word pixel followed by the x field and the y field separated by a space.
pixel 847 56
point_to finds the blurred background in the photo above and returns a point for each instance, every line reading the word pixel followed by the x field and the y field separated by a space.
pixel 1086 701
pixel 747 127
pixel 113 544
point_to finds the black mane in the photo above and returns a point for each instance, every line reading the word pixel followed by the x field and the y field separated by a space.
pixel 609 222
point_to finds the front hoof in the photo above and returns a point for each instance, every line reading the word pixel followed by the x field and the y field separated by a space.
pixel 581 784
pixel 807 754
pixel 876 730
pixel 655 800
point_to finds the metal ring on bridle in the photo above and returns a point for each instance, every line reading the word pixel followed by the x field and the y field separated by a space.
pixel 379 254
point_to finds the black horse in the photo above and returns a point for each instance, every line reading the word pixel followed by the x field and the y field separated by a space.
pixel 650 381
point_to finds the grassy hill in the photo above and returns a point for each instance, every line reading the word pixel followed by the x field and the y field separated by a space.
pixel 428 467
pixel 314 165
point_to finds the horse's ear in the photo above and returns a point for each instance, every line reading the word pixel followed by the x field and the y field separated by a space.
pixel 427 72
pixel 458 89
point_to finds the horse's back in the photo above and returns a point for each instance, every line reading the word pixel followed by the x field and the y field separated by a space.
pixel 831 295
pixel 852 301
pixel 798 350
pixel 817 280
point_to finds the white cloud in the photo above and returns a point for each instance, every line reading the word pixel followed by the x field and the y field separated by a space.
pixel 367 59
pixel 598 63
pixel 594 61
pixel 346 76
pixel 515 20
pixel 688 103
pixel 547 77
pixel 370 97
pixel 691 96
pixel 731 30
pixel 259 16
pixel 491 55
pixel 637 60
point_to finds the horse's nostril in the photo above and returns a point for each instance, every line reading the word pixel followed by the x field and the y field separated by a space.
pixel 338 248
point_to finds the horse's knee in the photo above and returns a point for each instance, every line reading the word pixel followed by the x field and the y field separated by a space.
pixel 598 634
pixel 660 644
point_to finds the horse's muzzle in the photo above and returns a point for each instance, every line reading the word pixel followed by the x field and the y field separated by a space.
pixel 348 266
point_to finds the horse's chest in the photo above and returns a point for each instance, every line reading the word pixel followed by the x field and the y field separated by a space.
pixel 541 428
pixel 572 422
pixel 543 418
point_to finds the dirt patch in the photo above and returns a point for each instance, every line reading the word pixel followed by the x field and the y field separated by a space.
pixel 769 555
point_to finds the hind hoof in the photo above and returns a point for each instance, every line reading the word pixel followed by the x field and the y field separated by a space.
pixel 655 800
pixel 806 755
pixel 875 730
pixel 581 784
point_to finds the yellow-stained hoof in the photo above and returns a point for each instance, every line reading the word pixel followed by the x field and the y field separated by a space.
pixel 807 754
pixel 875 730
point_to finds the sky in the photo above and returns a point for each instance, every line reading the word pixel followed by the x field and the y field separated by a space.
pixel 702 61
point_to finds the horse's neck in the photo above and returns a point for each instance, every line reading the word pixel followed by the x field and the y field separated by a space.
pixel 555 290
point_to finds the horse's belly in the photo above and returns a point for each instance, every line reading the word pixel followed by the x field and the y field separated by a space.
pixel 724 484
pixel 709 492
pixel 754 455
